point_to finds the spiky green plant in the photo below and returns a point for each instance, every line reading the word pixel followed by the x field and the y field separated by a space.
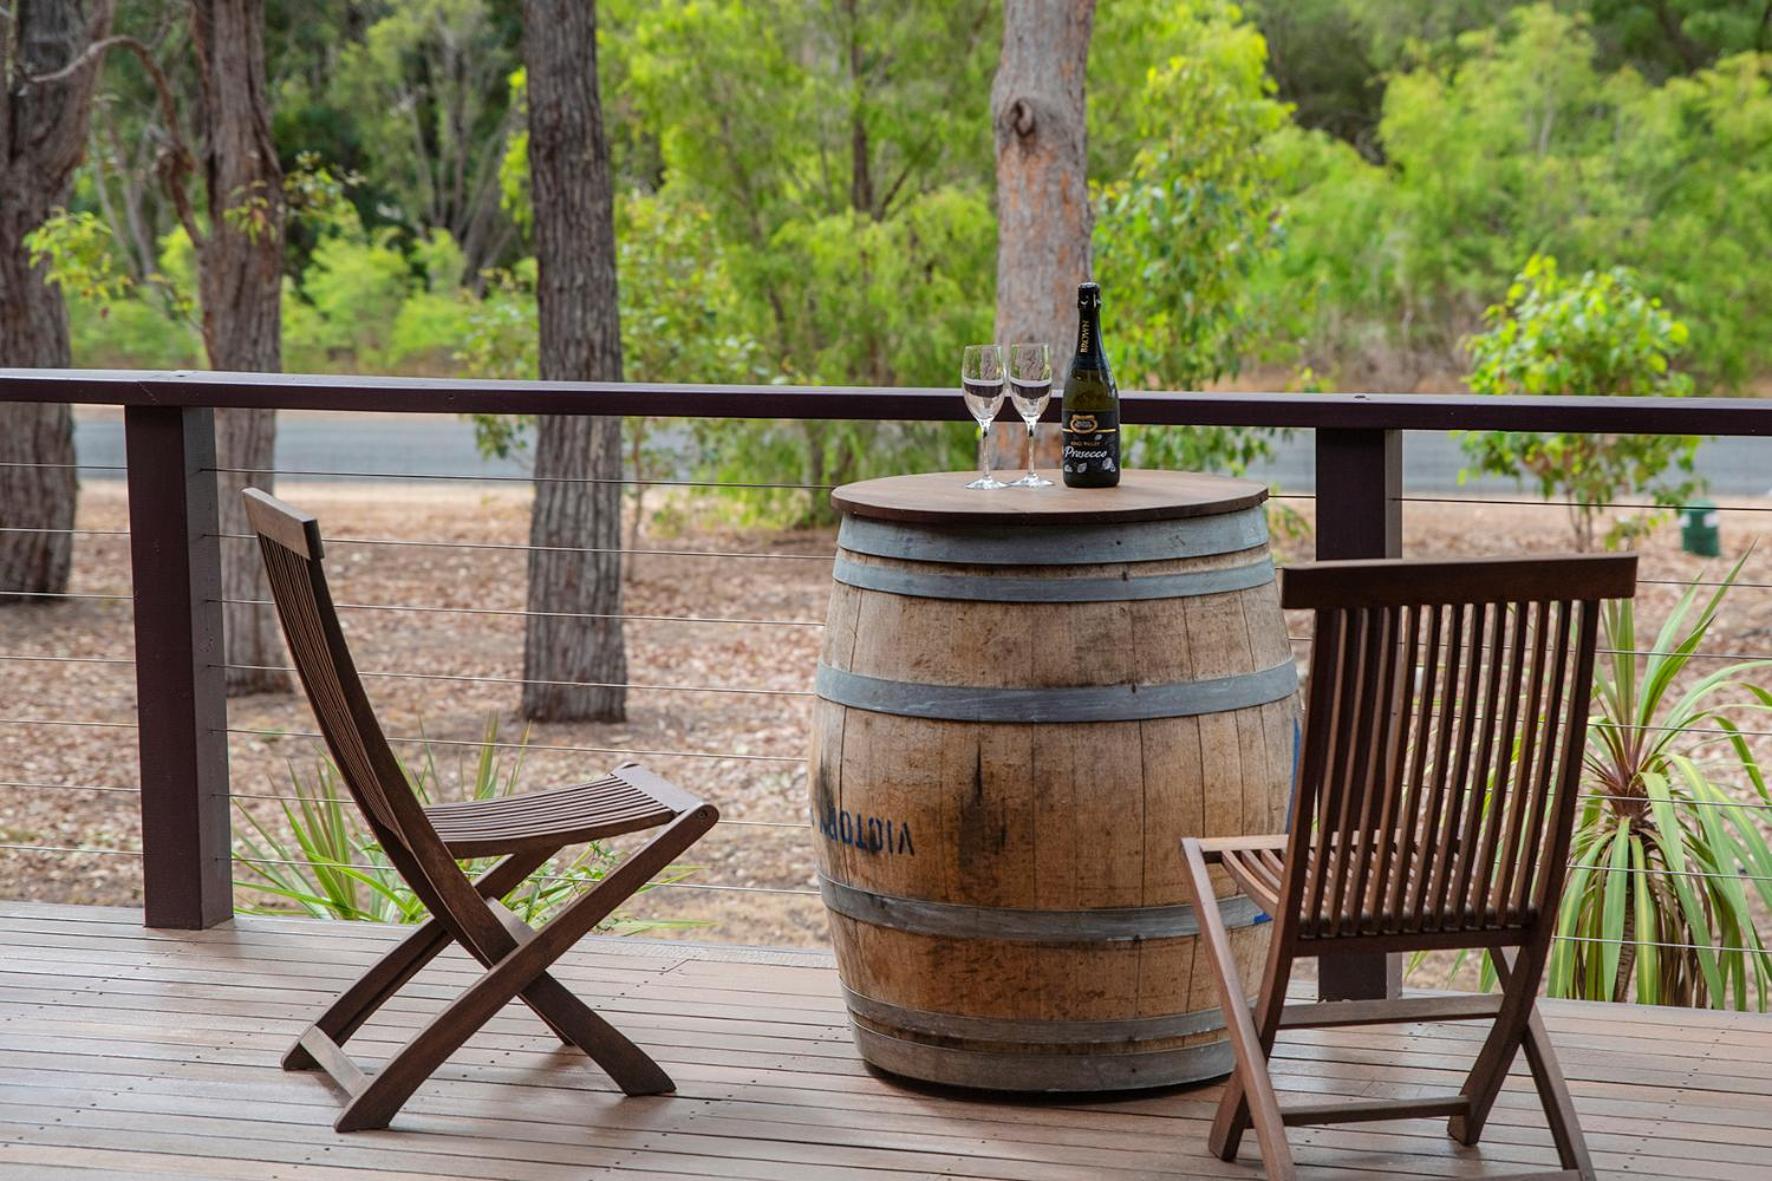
pixel 330 866
pixel 1668 857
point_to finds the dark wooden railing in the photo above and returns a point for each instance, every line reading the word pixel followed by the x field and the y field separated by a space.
pixel 170 438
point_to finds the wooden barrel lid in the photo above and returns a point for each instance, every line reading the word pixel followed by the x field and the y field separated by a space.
pixel 943 498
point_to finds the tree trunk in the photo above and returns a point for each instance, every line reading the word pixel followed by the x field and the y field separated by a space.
pixel 240 271
pixel 580 338
pixel 42 139
pixel 1043 214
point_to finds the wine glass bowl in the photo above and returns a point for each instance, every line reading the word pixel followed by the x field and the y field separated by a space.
pixel 982 385
pixel 1030 388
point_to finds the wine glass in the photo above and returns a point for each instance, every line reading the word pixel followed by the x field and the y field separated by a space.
pixel 1030 388
pixel 981 380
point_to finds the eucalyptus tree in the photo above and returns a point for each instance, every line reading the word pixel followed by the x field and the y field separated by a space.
pixel 42 138
pixel 240 276
pixel 235 225
pixel 1043 212
pixel 574 659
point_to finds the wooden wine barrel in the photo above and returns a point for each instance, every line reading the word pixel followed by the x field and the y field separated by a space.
pixel 1026 698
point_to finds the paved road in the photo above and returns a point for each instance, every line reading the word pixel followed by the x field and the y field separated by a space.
pixel 444 445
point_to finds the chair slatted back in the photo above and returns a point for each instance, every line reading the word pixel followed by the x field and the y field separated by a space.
pixel 1447 713
pixel 290 542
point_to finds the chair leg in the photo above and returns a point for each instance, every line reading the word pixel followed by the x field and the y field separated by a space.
pixel 1553 1088
pixel 1232 1117
pixel 523 969
pixel 578 1024
pixel 389 974
pixel 359 1002
pixel 1250 1089
pixel 1519 983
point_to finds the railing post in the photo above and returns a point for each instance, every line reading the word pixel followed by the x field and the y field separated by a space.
pixel 181 704
pixel 1359 515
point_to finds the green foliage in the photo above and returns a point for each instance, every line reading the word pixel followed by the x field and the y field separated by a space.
pixel 1671 872
pixel 77 249
pixel 1516 142
pixel 840 155
pixel 426 89
pixel 350 298
pixel 110 317
pixel 330 866
pixel 1596 335
pixel 513 166
pixel 1333 58
pixel 1180 234
pixel 436 315
pixel 1662 37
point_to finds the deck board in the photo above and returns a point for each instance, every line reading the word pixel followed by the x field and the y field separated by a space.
pixel 144 1054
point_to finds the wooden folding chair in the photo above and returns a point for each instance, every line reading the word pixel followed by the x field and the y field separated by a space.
pixel 1444 730
pixel 424 844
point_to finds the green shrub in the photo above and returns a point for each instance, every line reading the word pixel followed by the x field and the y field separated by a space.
pixel 355 288
pixel 1597 335
pixel 1515 142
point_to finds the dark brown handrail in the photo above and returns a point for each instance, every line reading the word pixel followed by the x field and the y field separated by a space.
pixel 430 395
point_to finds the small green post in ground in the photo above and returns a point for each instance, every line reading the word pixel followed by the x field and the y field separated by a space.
pixel 1698 529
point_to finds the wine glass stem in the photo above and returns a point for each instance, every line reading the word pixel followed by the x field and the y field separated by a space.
pixel 1030 451
pixel 984 450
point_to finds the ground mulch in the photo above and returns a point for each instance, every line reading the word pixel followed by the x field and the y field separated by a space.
pixel 726 689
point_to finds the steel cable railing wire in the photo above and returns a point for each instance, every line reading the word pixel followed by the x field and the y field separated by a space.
pixel 517 547
pixel 626 481
pixel 68 722
pixel 637 686
pixel 1597 504
pixel 1657 943
pixel 1700 654
pixel 93 850
pixel 24 594
pixel 32 848
pixel 533 748
pixel 101 851
pixel 34 529
pixel 540 877
pixel 39 785
pixel 432 609
pixel 1742 732
pixel 43 785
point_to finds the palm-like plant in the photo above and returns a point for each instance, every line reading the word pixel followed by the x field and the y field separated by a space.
pixel 330 866
pixel 1667 859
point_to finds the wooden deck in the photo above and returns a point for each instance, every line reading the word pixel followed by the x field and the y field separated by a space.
pixel 129 1053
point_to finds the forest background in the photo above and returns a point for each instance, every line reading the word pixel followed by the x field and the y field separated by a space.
pixel 1315 192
